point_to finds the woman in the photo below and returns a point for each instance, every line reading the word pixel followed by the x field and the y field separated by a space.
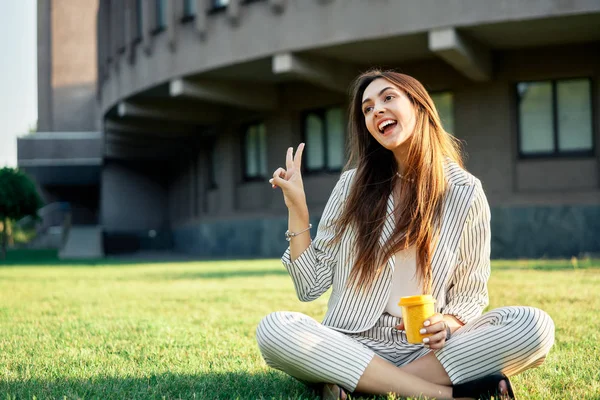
pixel 408 220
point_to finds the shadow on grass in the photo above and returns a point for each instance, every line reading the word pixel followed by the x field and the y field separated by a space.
pixel 226 274
pixel 37 258
pixel 231 385
pixel 546 265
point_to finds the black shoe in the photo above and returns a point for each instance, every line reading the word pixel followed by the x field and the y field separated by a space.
pixel 329 394
pixel 484 388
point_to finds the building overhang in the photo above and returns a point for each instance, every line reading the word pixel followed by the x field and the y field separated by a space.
pixel 470 58
pixel 61 158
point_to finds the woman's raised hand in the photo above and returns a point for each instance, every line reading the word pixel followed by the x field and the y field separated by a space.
pixel 289 179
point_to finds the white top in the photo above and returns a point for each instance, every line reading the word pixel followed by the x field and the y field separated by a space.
pixel 405 281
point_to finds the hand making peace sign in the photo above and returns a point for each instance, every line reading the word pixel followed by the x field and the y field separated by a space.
pixel 290 179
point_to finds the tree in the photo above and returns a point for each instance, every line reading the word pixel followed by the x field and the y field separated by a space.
pixel 18 199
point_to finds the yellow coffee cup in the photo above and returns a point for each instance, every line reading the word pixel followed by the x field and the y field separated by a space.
pixel 415 310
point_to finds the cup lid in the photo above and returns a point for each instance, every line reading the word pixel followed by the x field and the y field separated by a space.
pixel 416 300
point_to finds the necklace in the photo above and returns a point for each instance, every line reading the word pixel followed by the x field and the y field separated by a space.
pixel 399 175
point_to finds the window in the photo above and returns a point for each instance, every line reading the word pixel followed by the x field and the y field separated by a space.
pixel 189 8
pixel 444 103
pixel 555 118
pixel 324 132
pixel 160 7
pixel 255 152
pixel 216 4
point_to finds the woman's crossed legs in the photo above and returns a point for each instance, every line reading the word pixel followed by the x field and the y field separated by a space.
pixel 379 361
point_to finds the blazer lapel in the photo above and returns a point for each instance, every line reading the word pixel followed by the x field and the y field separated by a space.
pixel 456 208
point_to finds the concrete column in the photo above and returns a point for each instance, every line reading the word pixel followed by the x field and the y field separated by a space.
pixel 131 200
pixel 192 184
pixel 199 183
pixel 281 134
pixel 228 176
pixel 44 65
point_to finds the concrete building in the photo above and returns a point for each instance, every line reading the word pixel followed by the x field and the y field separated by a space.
pixel 198 100
pixel 65 155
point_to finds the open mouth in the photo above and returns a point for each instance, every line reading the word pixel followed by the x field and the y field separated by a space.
pixel 387 126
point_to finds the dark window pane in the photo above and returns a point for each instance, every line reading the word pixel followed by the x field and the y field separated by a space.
pixel 255 151
pixel 262 149
pixel 444 103
pixel 161 8
pixel 314 142
pixel 535 117
pixel 220 3
pixel 251 152
pixel 574 115
pixel 189 8
pixel 334 119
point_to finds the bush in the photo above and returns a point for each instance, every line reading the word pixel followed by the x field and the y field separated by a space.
pixel 18 198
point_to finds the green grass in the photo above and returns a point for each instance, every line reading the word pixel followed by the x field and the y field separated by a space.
pixel 186 329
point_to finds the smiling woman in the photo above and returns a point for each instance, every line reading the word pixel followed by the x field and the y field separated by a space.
pixel 405 219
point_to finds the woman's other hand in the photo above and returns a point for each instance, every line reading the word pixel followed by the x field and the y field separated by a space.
pixel 437 326
pixel 289 179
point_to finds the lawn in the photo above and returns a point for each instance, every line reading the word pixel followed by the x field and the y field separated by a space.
pixel 186 329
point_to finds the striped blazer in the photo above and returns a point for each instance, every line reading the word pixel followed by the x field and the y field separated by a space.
pixel 460 261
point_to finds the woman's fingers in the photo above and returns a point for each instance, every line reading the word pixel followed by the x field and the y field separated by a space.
pixel 435 341
pixel 293 163
pixel 289 158
pixel 278 181
pixel 298 157
pixel 437 329
pixel 279 172
pixel 278 175
pixel 436 326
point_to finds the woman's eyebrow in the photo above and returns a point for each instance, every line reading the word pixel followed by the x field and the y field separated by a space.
pixel 378 94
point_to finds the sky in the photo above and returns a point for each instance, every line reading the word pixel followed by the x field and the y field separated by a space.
pixel 18 75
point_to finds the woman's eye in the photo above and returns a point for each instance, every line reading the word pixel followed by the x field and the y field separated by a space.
pixel 367 109
pixel 388 97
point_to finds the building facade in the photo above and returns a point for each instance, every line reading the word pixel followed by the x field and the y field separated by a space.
pixel 65 155
pixel 198 100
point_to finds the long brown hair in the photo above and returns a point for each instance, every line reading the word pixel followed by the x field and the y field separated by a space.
pixel 366 206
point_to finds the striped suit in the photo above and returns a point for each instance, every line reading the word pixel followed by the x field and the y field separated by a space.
pixel 355 327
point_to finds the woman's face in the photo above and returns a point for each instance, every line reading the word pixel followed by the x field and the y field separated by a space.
pixel 389 114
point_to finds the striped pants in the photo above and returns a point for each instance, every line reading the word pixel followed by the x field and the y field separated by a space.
pixel 507 339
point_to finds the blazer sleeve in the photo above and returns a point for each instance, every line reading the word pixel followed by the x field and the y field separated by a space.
pixel 312 271
pixel 467 296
